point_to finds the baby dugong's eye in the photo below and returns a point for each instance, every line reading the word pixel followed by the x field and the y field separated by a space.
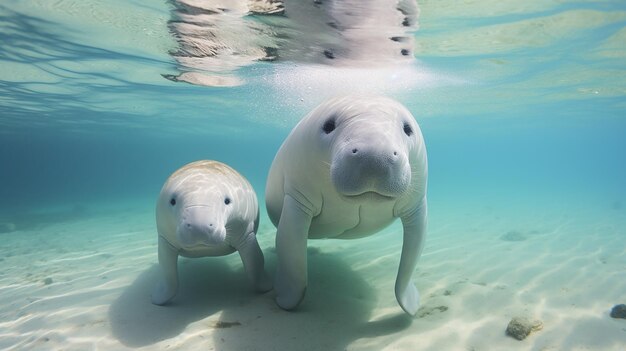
pixel 329 125
pixel 173 201
pixel 227 201
pixel 407 129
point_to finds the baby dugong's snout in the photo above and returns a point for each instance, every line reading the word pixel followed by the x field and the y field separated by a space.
pixel 375 159
pixel 371 165
pixel 199 225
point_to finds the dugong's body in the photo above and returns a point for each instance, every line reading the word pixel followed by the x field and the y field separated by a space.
pixel 347 170
pixel 206 208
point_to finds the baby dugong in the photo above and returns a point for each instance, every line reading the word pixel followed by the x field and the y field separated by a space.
pixel 206 208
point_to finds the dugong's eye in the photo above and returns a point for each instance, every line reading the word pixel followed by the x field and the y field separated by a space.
pixel 227 200
pixel 407 129
pixel 173 201
pixel 329 126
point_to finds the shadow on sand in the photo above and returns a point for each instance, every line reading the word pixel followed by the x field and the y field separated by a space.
pixel 206 287
pixel 334 313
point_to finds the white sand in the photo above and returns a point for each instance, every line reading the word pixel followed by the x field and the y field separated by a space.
pixel 569 270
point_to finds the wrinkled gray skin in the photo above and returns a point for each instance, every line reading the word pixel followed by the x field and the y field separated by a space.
pixel 345 183
pixel 207 209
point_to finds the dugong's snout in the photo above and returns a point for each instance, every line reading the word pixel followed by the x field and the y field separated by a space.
pixel 371 166
pixel 200 225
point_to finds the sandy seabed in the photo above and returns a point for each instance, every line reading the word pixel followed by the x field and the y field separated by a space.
pixel 84 281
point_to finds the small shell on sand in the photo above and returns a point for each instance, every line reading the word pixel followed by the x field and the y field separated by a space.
pixel 520 327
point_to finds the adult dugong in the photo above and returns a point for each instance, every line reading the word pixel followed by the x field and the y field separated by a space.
pixel 347 170
pixel 206 208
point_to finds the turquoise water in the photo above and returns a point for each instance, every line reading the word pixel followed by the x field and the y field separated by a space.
pixel 522 106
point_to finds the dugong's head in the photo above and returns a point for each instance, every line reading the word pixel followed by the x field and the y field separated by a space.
pixel 202 202
pixel 373 145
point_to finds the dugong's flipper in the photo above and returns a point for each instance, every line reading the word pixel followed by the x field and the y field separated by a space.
pixel 253 262
pixel 168 284
pixel 291 240
pixel 414 224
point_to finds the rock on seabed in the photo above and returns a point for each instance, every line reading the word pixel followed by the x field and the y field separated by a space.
pixel 619 311
pixel 519 327
pixel 7 227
